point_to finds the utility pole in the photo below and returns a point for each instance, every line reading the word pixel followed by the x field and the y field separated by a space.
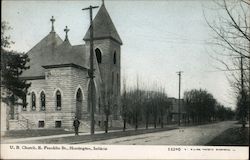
pixel 179 100
pixel 138 102
pixel 243 95
pixel 248 95
pixel 91 70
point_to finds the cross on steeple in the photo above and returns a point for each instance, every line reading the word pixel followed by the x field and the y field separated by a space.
pixel 52 21
pixel 66 30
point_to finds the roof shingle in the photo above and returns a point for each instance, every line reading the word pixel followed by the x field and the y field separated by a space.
pixel 41 54
pixel 103 26
pixel 53 51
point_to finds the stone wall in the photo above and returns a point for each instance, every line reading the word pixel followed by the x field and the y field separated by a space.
pixel 67 80
pixel 110 72
pixel 4 118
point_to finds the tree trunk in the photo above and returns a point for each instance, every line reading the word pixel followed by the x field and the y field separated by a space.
pixel 107 124
pixel 146 122
pixel 167 119
pixel 124 124
pixel 243 122
pixel 12 111
pixel 162 124
pixel 136 121
pixel 155 122
pixel 185 119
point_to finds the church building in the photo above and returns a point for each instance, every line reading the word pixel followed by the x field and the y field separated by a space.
pixel 60 82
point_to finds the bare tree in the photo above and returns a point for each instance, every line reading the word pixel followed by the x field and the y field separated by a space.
pixel 232 41
pixel 203 107
pixel 124 101
pixel 146 108
pixel 106 102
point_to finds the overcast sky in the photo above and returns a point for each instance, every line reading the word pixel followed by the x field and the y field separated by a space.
pixel 159 38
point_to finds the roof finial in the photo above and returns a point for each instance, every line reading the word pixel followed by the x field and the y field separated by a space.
pixel 52 21
pixel 66 30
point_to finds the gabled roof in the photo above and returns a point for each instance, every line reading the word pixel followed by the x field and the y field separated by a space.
pixel 52 50
pixel 103 27
pixel 67 54
pixel 41 54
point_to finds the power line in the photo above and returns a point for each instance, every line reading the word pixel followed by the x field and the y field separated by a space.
pixel 226 70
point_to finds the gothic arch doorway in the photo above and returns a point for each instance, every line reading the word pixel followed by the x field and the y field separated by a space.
pixel 89 96
pixel 79 104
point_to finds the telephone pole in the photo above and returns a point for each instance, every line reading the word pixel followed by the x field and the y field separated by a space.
pixel 243 94
pixel 179 100
pixel 248 95
pixel 91 70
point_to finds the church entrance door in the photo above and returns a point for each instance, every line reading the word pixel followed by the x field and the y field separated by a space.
pixel 79 104
pixel 89 97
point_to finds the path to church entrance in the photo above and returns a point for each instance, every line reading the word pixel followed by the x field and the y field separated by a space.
pixel 196 135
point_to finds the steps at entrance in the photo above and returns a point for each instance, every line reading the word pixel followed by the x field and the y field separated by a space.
pixel 21 123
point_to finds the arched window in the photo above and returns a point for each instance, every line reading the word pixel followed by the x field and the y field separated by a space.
pixel 117 83
pixel 90 100
pixel 42 101
pixel 79 95
pixel 112 78
pixel 114 58
pixel 79 104
pixel 99 105
pixel 98 55
pixel 58 100
pixel 112 82
pixel 24 103
pixel 33 101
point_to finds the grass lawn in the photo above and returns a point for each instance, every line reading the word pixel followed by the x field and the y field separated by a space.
pixel 44 132
pixel 232 137
pixel 34 133
pixel 95 137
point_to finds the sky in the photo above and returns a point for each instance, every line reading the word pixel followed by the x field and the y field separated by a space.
pixel 159 38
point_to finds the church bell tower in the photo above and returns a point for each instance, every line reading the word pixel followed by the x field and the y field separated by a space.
pixel 107 51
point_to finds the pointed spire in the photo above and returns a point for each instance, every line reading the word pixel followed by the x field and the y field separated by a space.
pixel 52 22
pixel 66 30
pixel 102 2
pixel 103 27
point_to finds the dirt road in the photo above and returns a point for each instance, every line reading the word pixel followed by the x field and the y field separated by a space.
pixel 195 135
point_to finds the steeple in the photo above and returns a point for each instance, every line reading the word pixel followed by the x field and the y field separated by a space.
pixel 52 24
pixel 103 26
pixel 66 30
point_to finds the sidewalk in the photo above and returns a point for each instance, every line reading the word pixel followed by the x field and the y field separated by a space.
pixel 19 140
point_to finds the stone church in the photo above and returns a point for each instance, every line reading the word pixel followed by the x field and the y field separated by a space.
pixel 60 83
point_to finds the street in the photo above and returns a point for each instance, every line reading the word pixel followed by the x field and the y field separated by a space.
pixel 195 135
